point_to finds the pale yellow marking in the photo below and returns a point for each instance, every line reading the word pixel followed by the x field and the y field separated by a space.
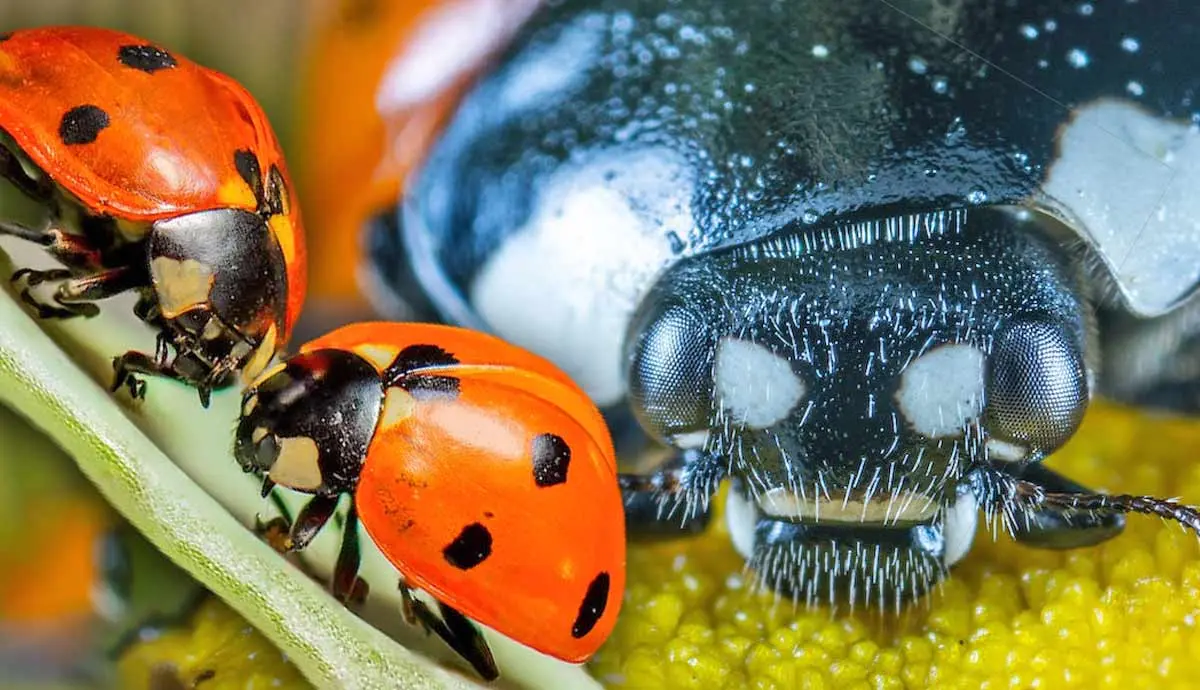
pixel 250 405
pixel 212 330
pixel 181 284
pixel 261 357
pixel 273 371
pixel 285 233
pixel 237 194
pixel 132 230
pixel 259 433
pixel 398 405
pixel 906 506
pixel 298 465
pixel 379 355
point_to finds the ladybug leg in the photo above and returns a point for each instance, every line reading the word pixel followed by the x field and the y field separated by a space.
pixel 133 362
pixel 311 519
pixel 70 249
pixel 39 189
pixel 1050 528
pixel 28 278
pixel 674 500
pixel 99 286
pixel 455 629
pixel 348 587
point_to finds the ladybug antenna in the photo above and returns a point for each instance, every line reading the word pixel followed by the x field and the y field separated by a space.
pixel 1032 496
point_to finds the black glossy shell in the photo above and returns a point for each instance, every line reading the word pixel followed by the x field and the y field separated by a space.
pixel 801 112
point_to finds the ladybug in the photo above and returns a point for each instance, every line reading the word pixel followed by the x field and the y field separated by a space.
pixel 163 178
pixel 869 263
pixel 482 473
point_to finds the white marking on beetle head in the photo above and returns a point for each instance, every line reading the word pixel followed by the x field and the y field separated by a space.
pixel 959 528
pixel 446 43
pixel 692 440
pixel 566 284
pixel 1128 178
pixel 741 516
pixel 1006 451
pixel 943 390
pixel 754 385
pixel 904 506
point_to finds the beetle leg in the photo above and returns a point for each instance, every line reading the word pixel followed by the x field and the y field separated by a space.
pixel 70 249
pixel 653 501
pixel 134 362
pixel 348 587
pixel 1050 528
pixel 98 286
pixel 455 629
pixel 55 309
pixel 311 519
pixel 39 189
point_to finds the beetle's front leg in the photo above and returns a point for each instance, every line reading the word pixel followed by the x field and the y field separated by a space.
pixel 1050 528
pixel 675 499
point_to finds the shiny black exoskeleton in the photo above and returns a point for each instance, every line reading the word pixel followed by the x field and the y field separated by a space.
pixel 870 261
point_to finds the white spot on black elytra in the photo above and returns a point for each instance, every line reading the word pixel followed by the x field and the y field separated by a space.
pixel 551 458
pixel 146 58
pixel 592 607
pixel 471 547
pixel 82 124
pixel 405 371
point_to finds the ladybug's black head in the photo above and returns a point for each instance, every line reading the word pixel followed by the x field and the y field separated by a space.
pixel 306 424
pixel 220 278
pixel 852 379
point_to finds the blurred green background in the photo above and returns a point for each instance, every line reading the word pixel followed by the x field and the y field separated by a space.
pixel 76 583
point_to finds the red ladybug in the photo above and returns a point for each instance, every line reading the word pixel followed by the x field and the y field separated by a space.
pixel 162 177
pixel 481 471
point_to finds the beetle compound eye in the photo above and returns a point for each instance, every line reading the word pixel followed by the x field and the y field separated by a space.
pixel 670 375
pixel 1037 387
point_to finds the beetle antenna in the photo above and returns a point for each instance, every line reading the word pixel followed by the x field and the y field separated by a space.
pixel 1035 496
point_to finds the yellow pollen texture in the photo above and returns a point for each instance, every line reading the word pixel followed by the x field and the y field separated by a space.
pixel 1119 615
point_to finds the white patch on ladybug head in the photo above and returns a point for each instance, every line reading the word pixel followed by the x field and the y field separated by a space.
pixel 942 391
pixel 566 284
pixel 1128 180
pixel 958 529
pixel 755 386
pixel 446 44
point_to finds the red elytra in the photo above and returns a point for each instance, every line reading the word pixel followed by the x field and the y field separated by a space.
pixel 488 480
pixel 167 147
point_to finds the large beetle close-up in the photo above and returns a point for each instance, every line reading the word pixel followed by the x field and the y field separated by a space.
pixel 868 260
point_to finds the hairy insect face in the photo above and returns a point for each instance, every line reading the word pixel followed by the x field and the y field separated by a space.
pixel 852 391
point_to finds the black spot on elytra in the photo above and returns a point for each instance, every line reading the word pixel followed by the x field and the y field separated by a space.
pixel 247 166
pixel 551 458
pixel 277 193
pixel 146 58
pixel 5 36
pixel 471 547
pixel 592 607
pixel 82 124
pixel 405 371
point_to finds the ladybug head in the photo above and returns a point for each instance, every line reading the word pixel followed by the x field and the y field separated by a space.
pixel 852 379
pixel 306 424
pixel 220 278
